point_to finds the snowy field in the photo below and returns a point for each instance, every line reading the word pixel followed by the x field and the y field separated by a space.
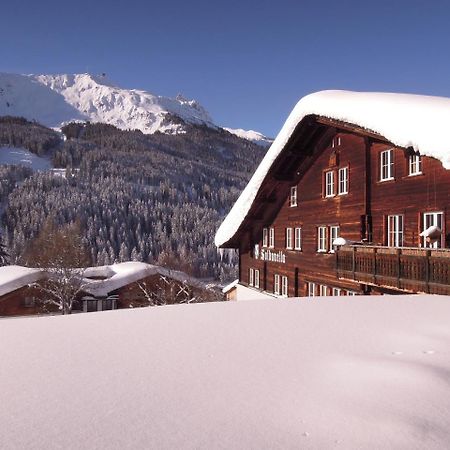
pixel 23 157
pixel 348 373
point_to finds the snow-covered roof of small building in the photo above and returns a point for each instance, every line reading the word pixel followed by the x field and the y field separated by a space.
pixel 16 277
pixel 119 275
pixel 98 281
pixel 115 276
pixel 406 120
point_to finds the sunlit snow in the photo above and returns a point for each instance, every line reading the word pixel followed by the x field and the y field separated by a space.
pixel 348 372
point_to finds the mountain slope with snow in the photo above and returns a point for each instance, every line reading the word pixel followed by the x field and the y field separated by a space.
pixel 53 100
pixel 251 135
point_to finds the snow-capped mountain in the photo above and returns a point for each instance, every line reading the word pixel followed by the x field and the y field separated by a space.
pixel 53 100
pixel 250 135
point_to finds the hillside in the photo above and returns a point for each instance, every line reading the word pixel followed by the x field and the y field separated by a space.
pixel 344 373
pixel 144 197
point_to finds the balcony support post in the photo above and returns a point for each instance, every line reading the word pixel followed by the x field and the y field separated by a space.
pixel 354 262
pixel 374 266
pixel 427 271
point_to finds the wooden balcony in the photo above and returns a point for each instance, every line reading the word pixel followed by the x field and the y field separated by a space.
pixel 406 269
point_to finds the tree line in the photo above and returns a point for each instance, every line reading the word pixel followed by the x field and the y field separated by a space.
pixel 149 198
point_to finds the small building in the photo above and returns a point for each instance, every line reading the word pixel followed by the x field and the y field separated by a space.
pixel 18 294
pixel 123 285
pixel 352 198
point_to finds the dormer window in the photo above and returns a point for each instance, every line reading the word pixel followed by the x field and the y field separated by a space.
pixel 415 164
pixel 293 196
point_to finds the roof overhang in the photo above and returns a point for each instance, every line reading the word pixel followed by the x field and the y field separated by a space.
pixel 408 121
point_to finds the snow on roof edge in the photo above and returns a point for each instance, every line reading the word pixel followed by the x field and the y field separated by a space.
pixel 406 120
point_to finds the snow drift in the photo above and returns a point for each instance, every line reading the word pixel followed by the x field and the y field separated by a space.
pixel 348 372
pixel 407 120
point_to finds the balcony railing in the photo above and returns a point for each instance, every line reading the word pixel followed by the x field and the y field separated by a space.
pixel 406 269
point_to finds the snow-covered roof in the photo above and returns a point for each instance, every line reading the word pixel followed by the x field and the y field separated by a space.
pixel 329 373
pixel 406 120
pixel 16 277
pixel 113 277
pixel 230 286
pixel 121 274
pixel 116 276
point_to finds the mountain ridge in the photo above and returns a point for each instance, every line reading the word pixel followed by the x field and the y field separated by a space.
pixel 55 100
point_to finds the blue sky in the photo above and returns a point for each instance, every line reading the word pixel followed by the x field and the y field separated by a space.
pixel 247 62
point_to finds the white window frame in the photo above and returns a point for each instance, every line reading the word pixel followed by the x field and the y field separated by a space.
pixel 387 165
pixel 289 243
pixel 322 239
pixel 298 238
pixel 284 286
pixel 351 293
pixel 293 196
pixel 434 216
pixel 343 181
pixel 276 284
pixel 251 277
pixel 334 234
pixel 265 237
pixel 414 165
pixel 395 230
pixel 336 142
pixel 311 289
pixel 336 292
pixel 256 278
pixel 323 290
pixel 329 184
pixel 271 237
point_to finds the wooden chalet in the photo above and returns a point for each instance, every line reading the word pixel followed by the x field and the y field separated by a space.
pixel 329 178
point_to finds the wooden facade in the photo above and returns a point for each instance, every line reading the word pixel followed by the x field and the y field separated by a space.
pixel 356 185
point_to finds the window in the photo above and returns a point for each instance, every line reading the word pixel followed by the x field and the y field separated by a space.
pixel 284 286
pixel 322 239
pixel 395 231
pixel 343 181
pixel 298 239
pixel 433 219
pixel 256 278
pixel 336 292
pixel 265 237
pixel 251 277
pixel 29 302
pixel 293 197
pixel 334 234
pixel 276 284
pixel 322 290
pixel 329 184
pixel 387 165
pixel 351 293
pixel 311 289
pixel 289 232
pixel 271 237
pixel 415 164
pixel 336 142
